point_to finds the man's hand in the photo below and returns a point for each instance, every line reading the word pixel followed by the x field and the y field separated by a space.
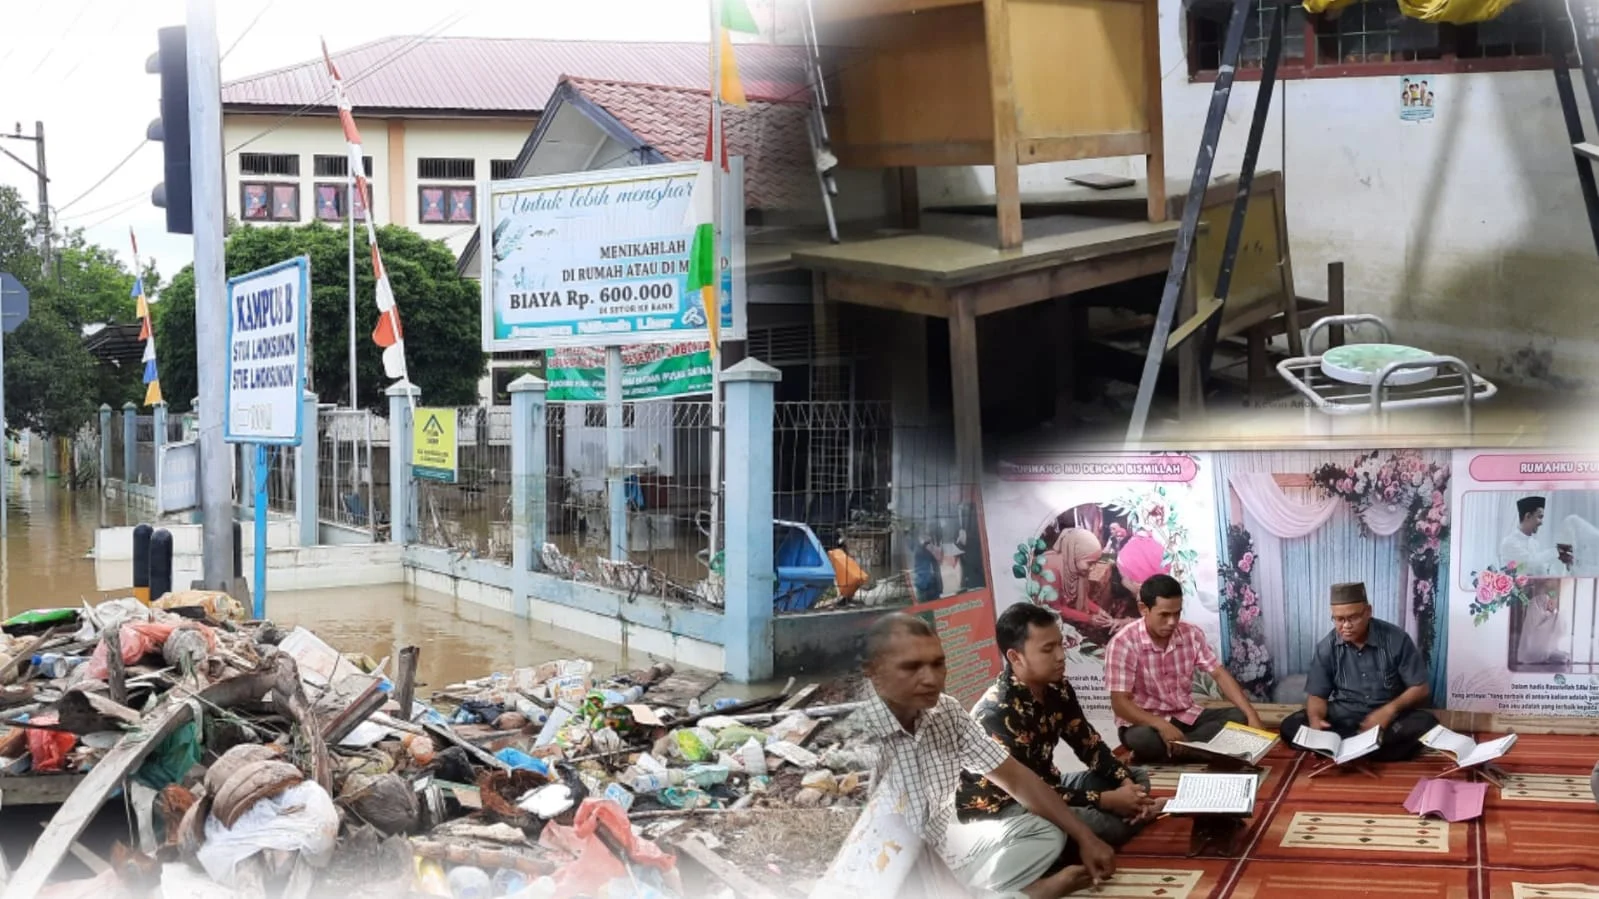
pixel 1252 718
pixel 1169 732
pixel 1316 723
pixel 1126 801
pixel 1152 809
pixel 1098 858
pixel 1381 717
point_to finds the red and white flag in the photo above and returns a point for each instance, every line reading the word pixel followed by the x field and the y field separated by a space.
pixel 387 334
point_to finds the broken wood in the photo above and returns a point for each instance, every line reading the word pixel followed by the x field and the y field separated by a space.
pixel 798 699
pixel 116 676
pixel 289 694
pixel 351 717
pixel 82 712
pixel 723 870
pixel 448 736
pixel 85 801
pixel 405 680
pixel 25 654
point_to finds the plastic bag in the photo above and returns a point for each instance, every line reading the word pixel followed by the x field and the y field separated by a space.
pixel 1454 12
pixel 138 640
pixel 49 748
pixel 595 865
pixel 847 573
pixel 300 819
pixel 172 759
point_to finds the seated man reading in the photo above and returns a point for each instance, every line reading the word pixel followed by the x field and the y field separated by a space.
pixel 1367 673
pixel 1149 671
pixel 1030 710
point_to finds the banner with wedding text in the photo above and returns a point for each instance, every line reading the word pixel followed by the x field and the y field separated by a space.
pixel 1523 632
pixel 1081 533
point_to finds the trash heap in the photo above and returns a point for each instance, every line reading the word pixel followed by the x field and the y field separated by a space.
pixel 259 761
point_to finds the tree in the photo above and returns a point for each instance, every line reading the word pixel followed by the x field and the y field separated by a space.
pixel 53 385
pixel 438 309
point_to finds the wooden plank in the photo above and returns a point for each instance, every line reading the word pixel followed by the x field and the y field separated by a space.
pixel 913 154
pixel 1154 112
pixel 1002 89
pixel 405 679
pixel 1208 309
pixel 38 789
pixel 830 11
pixel 967 396
pixel 742 884
pixel 804 695
pixel 1031 150
pixel 1034 287
pixel 910 197
pixel 893 296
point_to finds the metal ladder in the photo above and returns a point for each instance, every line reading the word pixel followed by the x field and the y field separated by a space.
pixel 1576 42
pixel 816 120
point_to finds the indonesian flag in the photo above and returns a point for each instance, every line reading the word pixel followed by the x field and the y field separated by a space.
pixel 703 271
pixel 735 17
pixel 388 333
pixel 152 377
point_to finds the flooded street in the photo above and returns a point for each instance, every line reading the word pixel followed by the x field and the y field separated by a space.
pixel 45 562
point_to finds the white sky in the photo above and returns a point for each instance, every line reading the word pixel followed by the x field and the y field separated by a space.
pixel 78 66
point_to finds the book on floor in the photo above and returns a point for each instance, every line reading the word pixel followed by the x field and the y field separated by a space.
pixel 1235 742
pixel 1213 794
pixel 1451 800
pixel 1468 753
pixel 1342 750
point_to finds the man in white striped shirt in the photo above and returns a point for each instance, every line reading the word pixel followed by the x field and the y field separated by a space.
pixel 925 739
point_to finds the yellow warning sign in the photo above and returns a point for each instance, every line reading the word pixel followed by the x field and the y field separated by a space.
pixel 433 448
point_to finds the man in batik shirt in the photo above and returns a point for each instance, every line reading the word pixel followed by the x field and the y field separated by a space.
pixel 1029 710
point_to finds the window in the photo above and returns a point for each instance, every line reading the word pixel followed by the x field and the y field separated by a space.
pixel 281 165
pixel 1372 37
pixel 502 169
pixel 265 201
pixel 330 166
pixel 330 200
pixel 443 169
pixel 439 205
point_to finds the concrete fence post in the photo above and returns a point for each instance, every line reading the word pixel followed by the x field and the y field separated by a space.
pixel 130 446
pixel 306 461
pixel 158 441
pixel 402 490
pixel 105 445
pixel 529 515
pixel 751 391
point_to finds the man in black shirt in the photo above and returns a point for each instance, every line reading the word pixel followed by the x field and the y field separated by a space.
pixel 1366 673
pixel 1029 710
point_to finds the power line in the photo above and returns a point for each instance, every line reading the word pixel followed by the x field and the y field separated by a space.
pixel 104 178
pixel 247 29
pixel 121 210
pixel 62 39
pixel 98 209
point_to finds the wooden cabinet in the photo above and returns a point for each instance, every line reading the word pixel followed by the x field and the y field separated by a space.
pixel 1004 83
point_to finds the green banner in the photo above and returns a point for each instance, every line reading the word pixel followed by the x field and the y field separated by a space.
pixel 652 372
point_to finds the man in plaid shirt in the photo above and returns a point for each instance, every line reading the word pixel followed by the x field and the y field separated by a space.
pixel 925 739
pixel 1149 671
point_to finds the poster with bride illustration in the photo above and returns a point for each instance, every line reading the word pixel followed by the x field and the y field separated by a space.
pixel 1295 523
pixel 1081 533
pixel 1523 628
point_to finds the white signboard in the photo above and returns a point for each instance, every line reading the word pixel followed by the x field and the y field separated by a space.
pixel 266 353
pixel 601 259
pixel 180 477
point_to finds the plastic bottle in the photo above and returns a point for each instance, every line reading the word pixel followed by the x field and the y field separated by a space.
pixel 694 707
pixel 467 882
pixel 726 702
pixel 508 882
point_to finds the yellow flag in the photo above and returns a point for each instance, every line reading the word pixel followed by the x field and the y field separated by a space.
pixel 152 394
pixel 732 86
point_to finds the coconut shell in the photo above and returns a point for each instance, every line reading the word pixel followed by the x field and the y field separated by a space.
pixel 191 830
pixel 250 784
pixel 223 769
pixel 173 803
pixel 386 801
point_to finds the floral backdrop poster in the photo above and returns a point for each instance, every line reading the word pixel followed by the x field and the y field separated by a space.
pixel 1292 524
pixel 1081 533
pixel 1522 623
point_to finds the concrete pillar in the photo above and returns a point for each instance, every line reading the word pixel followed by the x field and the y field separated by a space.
pixel 529 514
pixel 244 455
pixel 105 444
pixel 751 389
pixel 130 456
pixel 306 505
pixel 402 491
pixel 158 440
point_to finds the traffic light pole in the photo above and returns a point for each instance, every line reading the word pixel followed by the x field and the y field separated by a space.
pixel 210 293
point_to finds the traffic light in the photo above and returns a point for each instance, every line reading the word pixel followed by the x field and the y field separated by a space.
pixel 171 130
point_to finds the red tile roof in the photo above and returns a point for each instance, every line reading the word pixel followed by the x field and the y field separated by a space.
pixel 770 134
pixel 501 75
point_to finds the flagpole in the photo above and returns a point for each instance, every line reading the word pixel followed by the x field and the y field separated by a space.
pixel 349 204
pixel 717 161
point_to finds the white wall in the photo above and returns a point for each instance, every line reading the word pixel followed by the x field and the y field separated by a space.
pixel 481 140
pixel 1467 233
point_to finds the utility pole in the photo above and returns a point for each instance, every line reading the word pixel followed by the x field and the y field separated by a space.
pixel 41 172
pixel 210 292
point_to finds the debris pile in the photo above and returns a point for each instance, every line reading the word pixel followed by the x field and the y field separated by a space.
pixel 259 761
